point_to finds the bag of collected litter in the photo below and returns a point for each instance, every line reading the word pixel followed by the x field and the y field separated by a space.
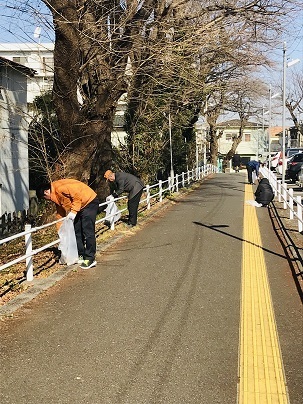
pixel 112 212
pixel 68 243
pixel 254 176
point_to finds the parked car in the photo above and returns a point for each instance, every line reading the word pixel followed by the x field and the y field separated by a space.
pixel 289 152
pixel 293 167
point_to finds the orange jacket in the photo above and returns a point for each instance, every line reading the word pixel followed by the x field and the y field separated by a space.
pixel 70 195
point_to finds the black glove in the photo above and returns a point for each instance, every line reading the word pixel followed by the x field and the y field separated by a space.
pixel 115 195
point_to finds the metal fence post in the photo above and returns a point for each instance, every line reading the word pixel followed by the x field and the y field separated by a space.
pixel 177 183
pixel 169 184
pixel 299 213
pixel 28 250
pixel 284 186
pixel 279 191
pixel 188 177
pixel 160 190
pixel 291 203
pixel 183 179
pixel 148 196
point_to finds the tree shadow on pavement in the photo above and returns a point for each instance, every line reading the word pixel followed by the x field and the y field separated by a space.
pixel 289 245
pixel 292 254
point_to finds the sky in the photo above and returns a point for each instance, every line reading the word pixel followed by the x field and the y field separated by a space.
pixel 19 26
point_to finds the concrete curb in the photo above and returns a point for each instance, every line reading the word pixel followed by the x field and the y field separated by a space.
pixel 37 286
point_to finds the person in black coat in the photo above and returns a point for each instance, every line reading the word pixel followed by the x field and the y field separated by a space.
pixel 264 193
pixel 236 162
pixel 131 184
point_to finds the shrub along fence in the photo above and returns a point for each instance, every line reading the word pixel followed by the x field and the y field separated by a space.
pixel 14 222
pixel 156 191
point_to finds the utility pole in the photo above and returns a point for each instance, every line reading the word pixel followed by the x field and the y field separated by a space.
pixel 283 112
pixel 172 174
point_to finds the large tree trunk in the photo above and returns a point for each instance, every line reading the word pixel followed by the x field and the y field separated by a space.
pixel 88 83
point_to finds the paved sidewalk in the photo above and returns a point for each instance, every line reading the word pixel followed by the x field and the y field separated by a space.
pixel 158 319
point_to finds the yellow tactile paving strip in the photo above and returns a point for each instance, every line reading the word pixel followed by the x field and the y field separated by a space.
pixel 261 373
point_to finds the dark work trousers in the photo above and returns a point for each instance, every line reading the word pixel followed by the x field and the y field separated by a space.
pixel 84 224
pixel 132 206
pixel 249 173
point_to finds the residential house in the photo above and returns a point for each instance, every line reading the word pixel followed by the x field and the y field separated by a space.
pixel 254 141
pixel 36 56
pixel 276 139
pixel 14 176
pixel 201 130
pixel 293 137
pixel 39 56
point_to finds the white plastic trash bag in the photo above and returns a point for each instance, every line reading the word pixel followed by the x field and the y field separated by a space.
pixel 254 203
pixel 254 176
pixel 68 243
pixel 112 212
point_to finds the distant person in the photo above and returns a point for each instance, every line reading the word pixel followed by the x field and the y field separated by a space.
pixel 224 165
pixel 236 162
pixel 264 193
pixel 252 166
pixel 77 202
pixel 130 184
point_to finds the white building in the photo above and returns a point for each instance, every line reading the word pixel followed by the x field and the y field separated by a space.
pixel 14 176
pixel 254 141
pixel 38 57
pixel 201 130
pixel 118 135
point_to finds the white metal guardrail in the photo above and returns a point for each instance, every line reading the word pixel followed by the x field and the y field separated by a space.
pixel 285 195
pixel 152 191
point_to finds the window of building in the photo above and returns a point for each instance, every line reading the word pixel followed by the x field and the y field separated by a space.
pixel 247 137
pixel 230 136
pixel 119 121
pixel 22 60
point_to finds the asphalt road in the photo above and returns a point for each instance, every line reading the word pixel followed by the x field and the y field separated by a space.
pixel 157 321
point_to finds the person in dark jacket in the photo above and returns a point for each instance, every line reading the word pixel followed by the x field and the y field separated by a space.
pixel 236 162
pixel 264 193
pixel 252 166
pixel 131 184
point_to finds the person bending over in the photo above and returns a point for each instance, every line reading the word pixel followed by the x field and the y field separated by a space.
pixel 77 202
pixel 130 184
pixel 252 166
pixel 264 193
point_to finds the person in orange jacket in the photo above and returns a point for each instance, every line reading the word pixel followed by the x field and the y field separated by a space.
pixel 77 202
